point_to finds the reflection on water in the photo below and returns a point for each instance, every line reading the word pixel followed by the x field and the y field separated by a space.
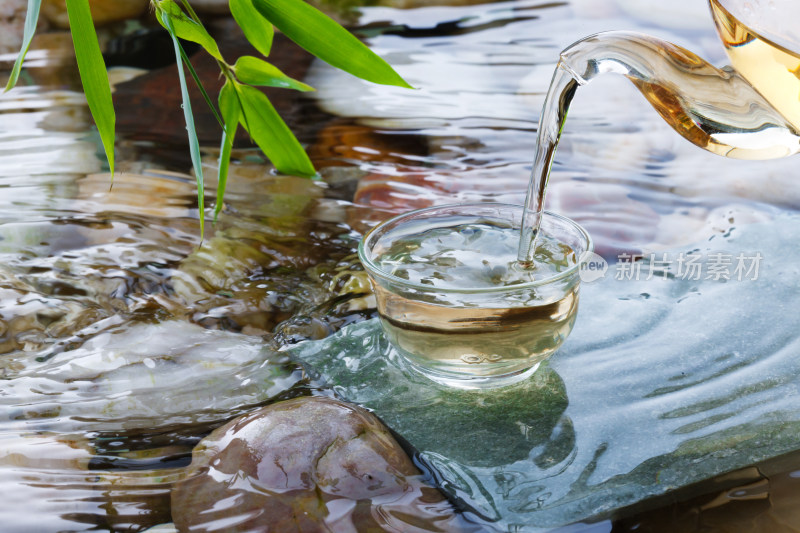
pixel 124 340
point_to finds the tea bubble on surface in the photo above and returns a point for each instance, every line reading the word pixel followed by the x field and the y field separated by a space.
pixel 478 254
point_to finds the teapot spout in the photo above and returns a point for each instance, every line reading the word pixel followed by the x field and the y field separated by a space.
pixel 716 109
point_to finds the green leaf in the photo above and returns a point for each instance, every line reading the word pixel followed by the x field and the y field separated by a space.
pixel 256 71
pixel 231 111
pixel 31 20
pixel 326 39
pixel 93 73
pixel 256 28
pixel 199 83
pixel 194 145
pixel 185 28
pixel 271 133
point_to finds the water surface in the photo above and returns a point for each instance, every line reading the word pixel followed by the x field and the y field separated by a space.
pixel 123 340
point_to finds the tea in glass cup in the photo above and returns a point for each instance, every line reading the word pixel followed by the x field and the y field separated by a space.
pixel 456 304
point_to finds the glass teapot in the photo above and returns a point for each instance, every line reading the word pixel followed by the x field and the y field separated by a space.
pixel 750 110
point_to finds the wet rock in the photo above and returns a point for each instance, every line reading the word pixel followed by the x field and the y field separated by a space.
pixel 149 107
pixel 46 475
pixel 61 452
pixel 30 320
pixel 135 499
pixel 37 152
pixel 307 464
pixel 53 73
pixel 353 302
pixel 160 195
pixel 252 274
pixel 277 195
pixel 55 479
pixel 103 11
pixel 12 20
pixel 344 141
pixel 137 377
pixel 757 499
pixel 398 193
pixel 279 249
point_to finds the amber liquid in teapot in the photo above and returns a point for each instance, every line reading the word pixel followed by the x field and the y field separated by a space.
pixel 771 68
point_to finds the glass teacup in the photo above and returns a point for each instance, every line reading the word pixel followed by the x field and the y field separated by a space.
pixel 454 302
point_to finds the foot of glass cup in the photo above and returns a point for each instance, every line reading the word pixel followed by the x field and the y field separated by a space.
pixel 461 381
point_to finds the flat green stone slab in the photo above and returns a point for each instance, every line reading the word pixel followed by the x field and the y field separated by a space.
pixel 662 384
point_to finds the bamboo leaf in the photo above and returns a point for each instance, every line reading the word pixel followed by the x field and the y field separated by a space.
pixel 271 133
pixel 231 111
pixel 194 145
pixel 93 73
pixel 191 12
pixel 185 28
pixel 256 28
pixel 255 71
pixel 326 39
pixel 199 83
pixel 31 20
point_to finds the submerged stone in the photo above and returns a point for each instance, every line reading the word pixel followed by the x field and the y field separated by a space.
pixel 12 22
pixel 54 478
pixel 757 499
pixel 103 11
pixel 307 464
pixel 140 377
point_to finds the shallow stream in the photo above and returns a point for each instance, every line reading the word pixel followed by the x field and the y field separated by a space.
pixel 124 340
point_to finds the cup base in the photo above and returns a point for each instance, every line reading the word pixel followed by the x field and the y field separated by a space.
pixel 466 382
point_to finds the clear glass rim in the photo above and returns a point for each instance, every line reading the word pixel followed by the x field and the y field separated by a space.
pixel 374 270
pixel 779 37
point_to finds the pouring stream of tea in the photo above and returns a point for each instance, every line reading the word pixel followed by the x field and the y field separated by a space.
pixel 716 109
pixel 554 116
